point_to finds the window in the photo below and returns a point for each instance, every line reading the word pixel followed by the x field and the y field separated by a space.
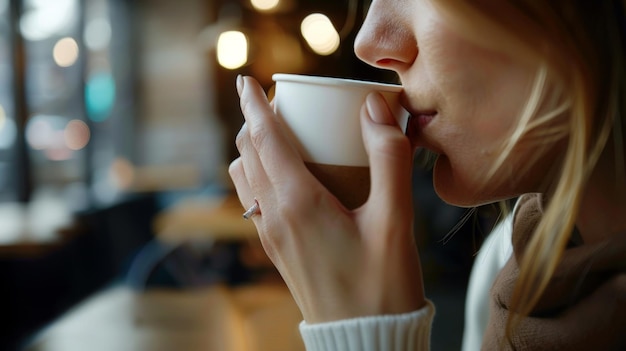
pixel 66 102
pixel 8 126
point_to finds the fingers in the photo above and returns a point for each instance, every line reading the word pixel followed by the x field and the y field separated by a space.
pixel 276 156
pixel 269 169
pixel 389 152
pixel 252 170
pixel 238 175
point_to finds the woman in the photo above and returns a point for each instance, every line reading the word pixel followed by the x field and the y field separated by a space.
pixel 518 99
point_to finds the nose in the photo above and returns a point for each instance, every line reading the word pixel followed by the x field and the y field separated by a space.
pixel 386 39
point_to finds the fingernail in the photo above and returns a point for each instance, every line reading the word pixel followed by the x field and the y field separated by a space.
pixel 239 83
pixel 373 103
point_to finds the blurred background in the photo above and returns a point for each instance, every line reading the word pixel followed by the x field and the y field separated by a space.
pixel 119 229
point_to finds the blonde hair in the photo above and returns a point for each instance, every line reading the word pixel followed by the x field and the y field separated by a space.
pixel 580 48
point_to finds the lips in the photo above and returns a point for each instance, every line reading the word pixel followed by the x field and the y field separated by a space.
pixel 420 117
pixel 423 119
pixel 419 120
pixel 416 126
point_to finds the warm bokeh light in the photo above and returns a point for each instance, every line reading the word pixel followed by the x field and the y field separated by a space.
pixel 98 34
pixel 76 134
pixel 47 133
pixel 320 34
pixel 122 173
pixel 65 52
pixel 232 49
pixel 264 5
pixel 58 153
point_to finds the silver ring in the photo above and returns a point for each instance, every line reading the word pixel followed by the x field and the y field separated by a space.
pixel 253 210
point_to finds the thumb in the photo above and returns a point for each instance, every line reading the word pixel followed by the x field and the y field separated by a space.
pixel 390 155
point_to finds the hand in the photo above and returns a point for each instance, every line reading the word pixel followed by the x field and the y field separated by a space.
pixel 337 263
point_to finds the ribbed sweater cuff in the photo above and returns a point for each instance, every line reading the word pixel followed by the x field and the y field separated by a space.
pixel 399 332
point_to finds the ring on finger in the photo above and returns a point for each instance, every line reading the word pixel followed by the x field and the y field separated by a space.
pixel 253 210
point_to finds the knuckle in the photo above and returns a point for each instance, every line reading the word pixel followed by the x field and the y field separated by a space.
pixel 239 142
pixel 241 137
pixel 235 168
pixel 258 136
pixel 290 211
pixel 299 200
pixel 245 106
pixel 258 128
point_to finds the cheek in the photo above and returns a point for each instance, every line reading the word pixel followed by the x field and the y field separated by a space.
pixel 460 173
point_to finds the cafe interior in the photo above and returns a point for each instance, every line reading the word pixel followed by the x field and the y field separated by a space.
pixel 119 225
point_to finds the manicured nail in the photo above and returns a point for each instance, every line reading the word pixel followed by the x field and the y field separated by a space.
pixel 239 83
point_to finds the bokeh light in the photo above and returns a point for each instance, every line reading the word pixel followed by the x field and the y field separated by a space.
pixel 40 133
pixel 8 131
pixel 49 134
pixel 65 52
pixel 58 153
pixel 45 18
pixel 320 34
pixel 98 34
pixel 232 49
pixel 100 96
pixel 122 173
pixel 264 5
pixel 76 134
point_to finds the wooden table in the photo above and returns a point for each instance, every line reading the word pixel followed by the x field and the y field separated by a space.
pixel 249 318
pixel 217 218
pixel 255 317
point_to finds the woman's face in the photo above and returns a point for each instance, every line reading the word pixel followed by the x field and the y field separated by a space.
pixel 465 100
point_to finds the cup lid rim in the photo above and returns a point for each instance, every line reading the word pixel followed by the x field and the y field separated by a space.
pixel 327 80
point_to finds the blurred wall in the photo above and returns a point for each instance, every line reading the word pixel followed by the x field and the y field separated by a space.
pixel 178 123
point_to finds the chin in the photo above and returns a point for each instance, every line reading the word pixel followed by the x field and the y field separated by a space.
pixel 456 190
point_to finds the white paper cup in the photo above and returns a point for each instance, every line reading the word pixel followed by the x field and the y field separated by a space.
pixel 322 117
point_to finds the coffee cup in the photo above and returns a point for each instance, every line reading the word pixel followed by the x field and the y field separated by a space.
pixel 321 117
